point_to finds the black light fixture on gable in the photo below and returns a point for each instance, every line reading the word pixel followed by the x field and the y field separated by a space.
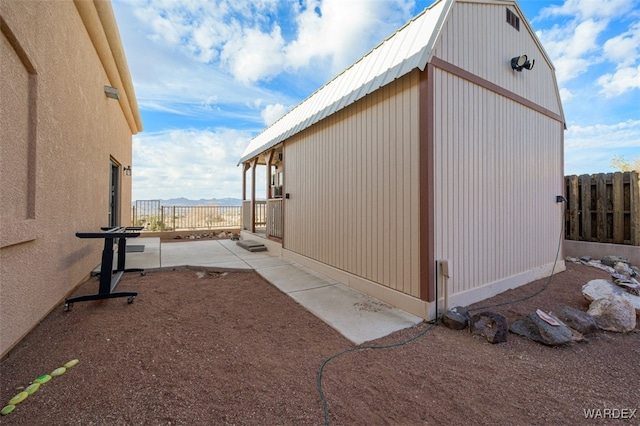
pixel 520 62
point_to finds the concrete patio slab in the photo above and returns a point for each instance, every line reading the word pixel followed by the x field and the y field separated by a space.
pixel 358 317
pixel 293 278
pixel 267 262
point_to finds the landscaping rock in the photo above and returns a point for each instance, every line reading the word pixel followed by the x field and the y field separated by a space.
pixel 623 268
pixel 578 320
pixel 535 328
pixel 599 265
pixel 613 313
pixel 456 318
pixel 631 286
pixel 612 260
pixel 586 259
pixel 601 289
pixel 491 325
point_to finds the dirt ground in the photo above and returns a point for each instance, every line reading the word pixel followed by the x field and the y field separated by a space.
pixel 212 348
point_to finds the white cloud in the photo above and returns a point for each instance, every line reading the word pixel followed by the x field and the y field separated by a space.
pixel 565 94
pixel 577 45
pixel 339 32
pixel 572 47
pixel 271 113
pixel 244 37
pixel 254 55
pixel 586 9
pixel 620 135
pixel 623 80
pixel 188 163
pixel 624 49
pixel 589 149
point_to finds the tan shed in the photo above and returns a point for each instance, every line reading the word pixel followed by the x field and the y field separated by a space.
pixel 67 115
pixel 439 153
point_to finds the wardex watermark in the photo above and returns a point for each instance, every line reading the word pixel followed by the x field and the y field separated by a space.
pixel 610 413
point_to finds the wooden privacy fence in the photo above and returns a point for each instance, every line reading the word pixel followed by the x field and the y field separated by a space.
pixel 603 208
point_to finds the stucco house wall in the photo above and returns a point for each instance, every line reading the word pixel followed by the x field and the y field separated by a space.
pixel 60 135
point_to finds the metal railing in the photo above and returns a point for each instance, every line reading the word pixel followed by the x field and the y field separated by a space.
pixel 154 217
pixel 260 214
pixel 275 224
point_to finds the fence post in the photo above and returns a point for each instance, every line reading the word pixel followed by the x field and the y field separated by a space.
pixel 634 189
pixel 574 214
pixel 585 183
pixel 617 195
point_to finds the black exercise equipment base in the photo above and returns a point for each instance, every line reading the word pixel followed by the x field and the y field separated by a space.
pixel 109 278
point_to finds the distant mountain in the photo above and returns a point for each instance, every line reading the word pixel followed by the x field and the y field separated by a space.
pixel 202 202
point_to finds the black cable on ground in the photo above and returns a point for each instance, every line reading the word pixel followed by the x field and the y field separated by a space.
pixel 425 331
pixel 361 348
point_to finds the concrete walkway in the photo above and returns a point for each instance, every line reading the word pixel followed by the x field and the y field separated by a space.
pixel 356 316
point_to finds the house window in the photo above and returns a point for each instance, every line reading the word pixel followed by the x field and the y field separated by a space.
pixel 513 19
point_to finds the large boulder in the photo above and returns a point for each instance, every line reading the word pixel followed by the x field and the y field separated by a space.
pixel 492 326
pixel 613 313
pixel 535 328
pixel 601 289
pixel 578 320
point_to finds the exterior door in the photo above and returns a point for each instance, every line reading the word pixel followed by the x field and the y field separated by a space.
pixel 114 194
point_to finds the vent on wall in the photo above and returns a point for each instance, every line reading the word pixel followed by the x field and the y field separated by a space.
pixel 513 19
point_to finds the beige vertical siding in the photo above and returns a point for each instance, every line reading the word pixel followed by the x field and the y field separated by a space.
pixel 353 185
pixel 477 38
pixel 497 168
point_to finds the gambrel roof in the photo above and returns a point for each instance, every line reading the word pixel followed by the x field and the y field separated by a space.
pixel 407 49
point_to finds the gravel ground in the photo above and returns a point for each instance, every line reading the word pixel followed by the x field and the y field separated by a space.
pixel 203 347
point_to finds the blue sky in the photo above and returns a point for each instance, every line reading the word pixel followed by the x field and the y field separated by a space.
pixel 211 74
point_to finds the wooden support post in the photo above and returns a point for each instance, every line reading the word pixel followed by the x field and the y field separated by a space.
pixel 245 167
pixel 254 163
pixel 269 158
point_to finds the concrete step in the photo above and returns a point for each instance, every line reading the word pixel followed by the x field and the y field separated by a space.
pixel 252 246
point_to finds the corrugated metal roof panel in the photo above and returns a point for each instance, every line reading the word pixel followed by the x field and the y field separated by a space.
pixel 398 55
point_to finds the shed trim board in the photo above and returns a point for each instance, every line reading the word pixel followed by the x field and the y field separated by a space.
pixel 427 245
pixel 486 84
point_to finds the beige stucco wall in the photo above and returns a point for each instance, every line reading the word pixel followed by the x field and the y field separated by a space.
pixel 59 134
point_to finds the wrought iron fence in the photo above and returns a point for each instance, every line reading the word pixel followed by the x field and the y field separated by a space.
pixel 154 217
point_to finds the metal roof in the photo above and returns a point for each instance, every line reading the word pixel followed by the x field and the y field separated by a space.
pixel 407 49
